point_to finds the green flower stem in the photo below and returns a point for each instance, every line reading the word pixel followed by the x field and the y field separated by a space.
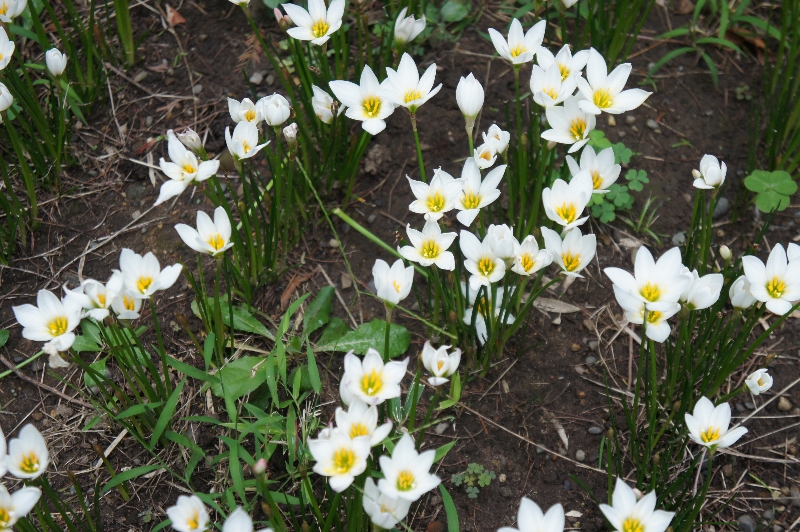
pixel 414 397
pixel 422 174
pixel 518 104
pixel 429 413
pixel 389 308
pixel 162 353
pixel 21 364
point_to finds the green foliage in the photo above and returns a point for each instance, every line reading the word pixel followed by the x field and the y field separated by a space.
pixel 371 335
pixel 474 478
pixel 773 189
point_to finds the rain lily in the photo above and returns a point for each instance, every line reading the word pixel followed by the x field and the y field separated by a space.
pixel 653 282
pixel 6 99
pixel 10 9
pixel 3 453
pixel 437 197
pixel 429 246
pixel 239 521
pixel 189 514
pixel 572 254
pixel 440 363
pixel 245 111
pixel 570 125
pixel 6 49
pixel 406 29
pixel 498 138
pixel 629 515
pixel 191 140
pixel 711 174
pixel 369 102
pixel 726 254
pixel 51 321
pixel 565 202
pixel 568 65
pixel 392 284
pixel 56 62
pixel 384 511
pixel 530 518
pixel 793 252
pixel 182 170
pixel 371 380
pixel 406 88
pixel 481 261
pixel 476 194
pixel 485 155
pixel 27 454
pixel 290 135
pixel 548 87
pixel 407 472
pixel 339 457
pixel 469 97
pixel 243 144
pixel 318 23
pixel 708 425
pixel 529 259
pixel 143 276
pixel 211 238
pixel 702 292
pixel 284 21
pixel 95 297
pixel 655 314
pixel 15 506
pixel 127 306
pixel 777 284
pixel 520 47
pixel 362 420
pixel 484 308
pixel 600 166
pixel 603 91
pixel 501 239
pixel 759 381
pixel 275 109
pixel 569 3
pixel 323 105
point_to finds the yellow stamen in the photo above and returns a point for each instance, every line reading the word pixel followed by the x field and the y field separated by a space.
pixel 215 241
pixel 571 262
pixel 371 383
pixel 578 128
pixel 319 29
pixel 245 146
pixel 760 381
pixel 30 463
pixel 193 522
pixel 526 261
pixel 632 524
pixel 486 266
pixel 405 480
pixel 484 307
pixel 651 292
pixel 129 303
pixel 710 434
pixel 567 212
pixel 486 155
pixel 430 249
pixel 564 71
pixel 58 326
pixel 343 461
pixel 440 364
pixel 550 91
pixel 411 95
pixel 101 298
pixel 654 316
pixel 471 200
pixel 776 287
pixel 358 429
pixel 397 286
pixel 436 202
pixel 602 99
pixel 597 180
pixel 5 518
pixel 188 168
pixel 249 115
pixel 143 283
pixel 372 106
pixel 518 50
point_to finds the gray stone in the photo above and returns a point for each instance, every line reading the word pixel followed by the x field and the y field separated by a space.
pixel 539 449
pixel 144 230
pixel 652 124
pixel 371 218
pixel 591 361
pixel 506 492
pixel 347 281
pixel 148 121
pixel 134 192
pixel 784 405
pixel 440 428
pixel 197 89
pixel 593 345
pixel 622 134
pixel 722 208
pixel 740 407
pixel 595 431
pixel 747 523
pixel 768 514
pixel 567 485
pixel 333 243
pixel 257 78
pixel 270 79
pixel 136 214
pixel 679 238
pixel 580 456
pixel 140 77
pixel 630 119
pixel 777 528
pixel 750 405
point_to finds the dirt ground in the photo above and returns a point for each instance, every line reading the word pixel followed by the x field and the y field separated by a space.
pixel 548 377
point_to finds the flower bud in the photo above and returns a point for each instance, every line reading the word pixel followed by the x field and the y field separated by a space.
pixel 283 20
pixel 6 99
pixel 469 96
pixel 275 109
pixel 260 467
pixel 406 29
pixel 725 253
pixel 696 174
pixel 290 134
pixel 56 62
pixel 190 139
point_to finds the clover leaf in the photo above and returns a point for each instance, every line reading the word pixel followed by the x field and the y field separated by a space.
pixel 772 189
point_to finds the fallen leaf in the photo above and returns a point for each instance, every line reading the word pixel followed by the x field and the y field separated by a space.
pixel 173 17
pixel 630 243
pixel 683 7
pixel 160 68
pixel 573 513
pixel 554 305
pixel 297 280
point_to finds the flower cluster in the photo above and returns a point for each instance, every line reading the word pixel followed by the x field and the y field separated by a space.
pixel 189 514
pixel 25 457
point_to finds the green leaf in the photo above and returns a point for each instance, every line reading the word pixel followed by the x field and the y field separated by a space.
pixel 449 510
pixel 128 475
pixel 3 337
pixel 335 330
pixel 670 56
pixel 636 185
pixel 99 367
pixel 84 344
pixel 773 189
pixel 91 331
pixel 166 414
pixel 442 451
pixel 313 372
pixel 372 334
pixel 318 312
pixel 608 217
pixel 455 11
pixel 238 377
pixel 243 319
pixel 598 140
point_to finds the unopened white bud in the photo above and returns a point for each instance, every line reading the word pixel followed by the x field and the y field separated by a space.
pixel 725 252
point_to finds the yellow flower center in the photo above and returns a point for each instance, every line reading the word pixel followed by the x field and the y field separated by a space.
pixel 526 261
pixel 471 200
pixel 358 429
pixel 632 524
pixel 397 286
pixel 602 98
pixel 484 307
pixel 436 201
pixel 215 241
pixel 776 287
pixel 440 364
pixel 486 155
pixel 371 383
pixel 518 50
pixel 246 146
pixel 567 212
pixel 320 29
pixel 5 518
pixel 654 316
pixel 249 115
pixel 411 95
pixel 372 106
pixel 571 262
pixel 129 303
pixel 405 480
pixel 3 9
pixel 564 71
pixel 597 180
pixel 58 326
pixel 143 283
pixel 101 298
pixel 710 434
pixel 760 381
pixel 193 522
pixel 651 292
pixel 29 463
pixel 430 249
pixel 551 91
pixel 343 461
pixel 188 168
pixel 486 266
pixel 578 128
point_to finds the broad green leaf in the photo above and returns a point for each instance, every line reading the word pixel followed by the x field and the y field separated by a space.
pixel 449 510
pixel 335 330
pixel 3 337
pixel 372 335
pixel 318 312
pixel 773 189
pixel 454 11
pixel 243 319
pixel 304 384
pixel 91 331
pixel 84 344
pixel 239 377
pixel 99 367
pixel 442 451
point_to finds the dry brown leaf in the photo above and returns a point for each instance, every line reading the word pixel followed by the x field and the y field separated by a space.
pixel 554 305
pixel 297 280
pixel 173 17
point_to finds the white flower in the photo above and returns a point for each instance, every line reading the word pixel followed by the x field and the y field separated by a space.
pixel 369 102
pixel 652 281
pixel 708 425
pixel 406 88
pixel 211 238
pixel 656 314
pixel 481 261
pixel 392 284
pixel 290 134
pixel 600 166
pixel 793 252
pixel 469 96
pixel 485 155
pixel 15 506
pixel 238 520
pixel 498 138
pixel 10 9
pixel 27 454
pixel 603 91
pixel 56 62
pixel 759 381
pixel 777 284
pixel 406 30
pixel 407 472
pixel 435 198
pixel 568 65
pixel 370 379
pixel 323 105
pixel 429 246
pixel 318 23
pixel 243 144
pixel 740 295
pixel 3 453
pixel 569 124
pixel 440 363
pixel 629 515
pixel 476 194
pixel 520 47
pixel 95 297
pixel 245 111
pixel 190 139
pixel 501 239
pixel 339 457
pixel 362 420
pixel 529 259
pixel 6 99
pixel 702 292
pixel 548 88
pixel 143 276
pixel 726 254
pixel 569 3
pixel 189 514
pixel 484 308
pixel 182 170
pixel 127 306
pixel 572 254
pixel 6 49
pixel 565 202
pixel 711 174
pixel 275 109
pixel 384 511
pixel 531 519
pixel 51 321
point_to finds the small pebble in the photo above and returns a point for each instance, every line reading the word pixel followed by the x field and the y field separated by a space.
pixel 140 77
pixel 575 347
pixel 136 214
pixel 630 119
pixel 347 282
pixel 727 470
pixel 505 492
pixel 595 431
pixel 257 78
pixel 567 485
pixel 777 528
pixel 612 121
pixel 784 405
pixel 652 124
pixel 621 134
pixel 679 238
pixel 740 407
pixel 747 523
pixel 440 428
pixel 722 208
pixel 768 514
pixel 709 112
pixel 197 89
pixel 144 230
pixel 750 405
pixel 539 450
pixel 593 346
pixel 580 456
pixel 270 79
pixel 590 360
pixel 148 121
pixel 333 243
pixel 323 244
pixel 371 218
